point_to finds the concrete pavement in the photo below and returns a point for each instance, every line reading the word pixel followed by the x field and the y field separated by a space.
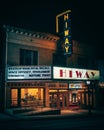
pixel 64 114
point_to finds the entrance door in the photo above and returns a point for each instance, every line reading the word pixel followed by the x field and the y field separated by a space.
pixel 59 100
pixel 53 100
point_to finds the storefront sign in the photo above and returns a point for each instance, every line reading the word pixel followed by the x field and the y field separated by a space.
pixel 67 35
pixel 63 27
pixel 77 74
pixel 74 86
pixel 28 72
pixel 57 85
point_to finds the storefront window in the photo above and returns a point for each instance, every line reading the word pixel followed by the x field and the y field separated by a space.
pixel 28 97
pixel 14 97
pixel 32 96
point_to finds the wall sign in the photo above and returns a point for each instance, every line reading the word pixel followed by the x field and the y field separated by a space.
pixel 67 35
pixel 63 27
pixel 75 86
pixel 77 74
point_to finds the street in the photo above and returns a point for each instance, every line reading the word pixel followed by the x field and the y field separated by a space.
pixel 88 123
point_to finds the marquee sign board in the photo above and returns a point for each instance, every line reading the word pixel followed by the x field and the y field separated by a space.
pixel 75 74
pixel 28 72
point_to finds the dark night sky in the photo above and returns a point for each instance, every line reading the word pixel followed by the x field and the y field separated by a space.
pixel 86 18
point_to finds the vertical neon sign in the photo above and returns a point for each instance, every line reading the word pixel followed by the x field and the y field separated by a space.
pixel 67 35
pixel 66 31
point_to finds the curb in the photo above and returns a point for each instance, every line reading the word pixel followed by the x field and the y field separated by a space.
pixel 52 117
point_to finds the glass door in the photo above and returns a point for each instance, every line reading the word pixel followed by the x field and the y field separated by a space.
pixel 59 100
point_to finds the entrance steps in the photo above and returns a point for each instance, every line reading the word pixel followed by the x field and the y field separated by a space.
pixel 13 111
pixel 43 111
pixel 33 111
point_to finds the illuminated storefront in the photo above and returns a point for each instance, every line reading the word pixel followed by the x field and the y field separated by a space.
pixel 47 86
pixel 77 91
pixel 25 86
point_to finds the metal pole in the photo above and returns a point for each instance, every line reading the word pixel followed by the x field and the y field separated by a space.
pixel 89 105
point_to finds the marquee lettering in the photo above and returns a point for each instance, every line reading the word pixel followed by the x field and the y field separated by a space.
pixel 66 32
pixel 66 41
pixel 76 74
pixel 66 17
pixel 67 37
pixel 66 25
pixel 93 74
pixel 66 48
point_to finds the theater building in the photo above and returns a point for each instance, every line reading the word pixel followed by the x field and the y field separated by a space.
pixel 38 74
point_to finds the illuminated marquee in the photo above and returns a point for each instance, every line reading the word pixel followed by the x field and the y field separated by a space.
pixel 77 74
pixel 28 72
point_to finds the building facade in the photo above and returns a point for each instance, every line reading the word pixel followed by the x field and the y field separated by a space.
pixel 38 74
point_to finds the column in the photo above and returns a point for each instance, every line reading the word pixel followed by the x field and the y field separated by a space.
pixel 46 92
pixel 19 97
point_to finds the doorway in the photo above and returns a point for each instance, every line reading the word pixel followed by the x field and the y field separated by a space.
pixel 59 100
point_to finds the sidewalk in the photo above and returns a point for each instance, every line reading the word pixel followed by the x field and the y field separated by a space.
pixel 64 114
